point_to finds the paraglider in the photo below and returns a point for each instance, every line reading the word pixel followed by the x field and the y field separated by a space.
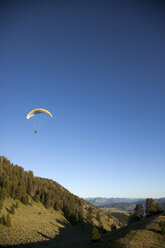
pixel 36 112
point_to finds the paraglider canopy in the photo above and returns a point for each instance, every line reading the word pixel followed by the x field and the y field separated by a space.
pixel 37 111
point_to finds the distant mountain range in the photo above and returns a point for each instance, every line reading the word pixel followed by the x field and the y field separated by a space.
pixel 98 201
pixel 127 204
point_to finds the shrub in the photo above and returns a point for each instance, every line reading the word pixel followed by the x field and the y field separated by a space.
pixel 25 199
pixel 8 221
pixel 12 210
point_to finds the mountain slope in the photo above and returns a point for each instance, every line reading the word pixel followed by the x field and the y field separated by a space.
pixel 45 209
pixel 141 234
pixel 32 224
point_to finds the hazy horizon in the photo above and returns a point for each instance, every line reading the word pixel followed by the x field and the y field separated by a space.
pixel 122 197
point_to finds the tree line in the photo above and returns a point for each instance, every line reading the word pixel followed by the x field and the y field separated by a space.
pixel 24 186
pixel 149 209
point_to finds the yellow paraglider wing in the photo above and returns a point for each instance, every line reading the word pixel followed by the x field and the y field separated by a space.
pixel 37 111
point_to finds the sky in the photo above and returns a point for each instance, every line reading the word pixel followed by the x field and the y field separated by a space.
pixel 99 68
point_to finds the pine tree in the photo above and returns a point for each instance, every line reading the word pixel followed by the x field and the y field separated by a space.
pixel 158 208
pixel 2 194
pixel 139 211
pixel 47 201
pixel 95 236
pixel 109 216
pixel 42 197
pixel 30 183
pixel 13 190
pixel 20 185
pixel 89 215
pixel 98 217
pixel 150 208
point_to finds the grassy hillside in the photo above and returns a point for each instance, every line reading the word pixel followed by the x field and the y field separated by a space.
pixel 47 211
pixel 121 215
pixel 141 234
pixel 38 212
pixel 22 185
pixel 35 225
pixel 30 223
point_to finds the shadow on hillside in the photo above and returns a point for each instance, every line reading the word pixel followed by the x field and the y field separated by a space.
pixel 71 236
pixel 153 230
pixel 114 236
pixel 67 237
pixel 44 235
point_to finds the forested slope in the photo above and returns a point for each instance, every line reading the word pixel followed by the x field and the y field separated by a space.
pixel 22 185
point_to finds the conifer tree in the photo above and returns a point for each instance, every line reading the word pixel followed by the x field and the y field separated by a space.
pixel 13 189
pixel 80 214
pixel 98 217
pixel 42 197
pixel 21 185
pixel 150 208
pixel 109 216
pixel 158 208
pixel 139 211
pixel 2 194
pixel 30 183
pixel 89 215
pixel 47 201
pixel 95 236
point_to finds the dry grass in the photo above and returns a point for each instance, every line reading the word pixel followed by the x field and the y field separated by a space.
pixel 142 234
pixel 34 223
pixel 146 236
pixel 30 223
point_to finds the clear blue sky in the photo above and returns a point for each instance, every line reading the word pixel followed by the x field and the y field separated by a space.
pixel 99 67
